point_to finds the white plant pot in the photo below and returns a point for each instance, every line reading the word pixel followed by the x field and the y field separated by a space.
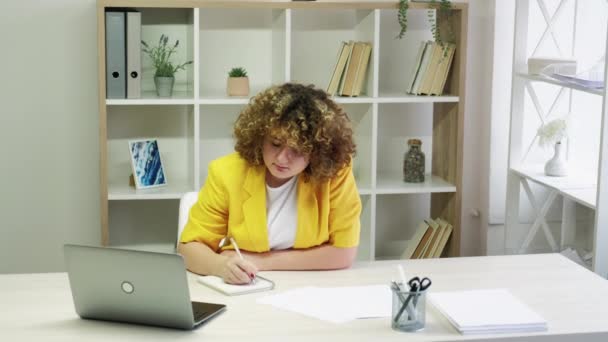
pixel 164 86
pixel 557 166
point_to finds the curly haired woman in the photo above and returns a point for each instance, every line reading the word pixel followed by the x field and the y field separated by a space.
pixel 287 196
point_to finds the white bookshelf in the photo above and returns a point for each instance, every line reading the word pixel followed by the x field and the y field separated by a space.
pixel 535 202
pixel 278 41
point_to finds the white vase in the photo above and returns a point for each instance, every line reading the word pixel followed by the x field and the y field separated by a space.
pixel 557 166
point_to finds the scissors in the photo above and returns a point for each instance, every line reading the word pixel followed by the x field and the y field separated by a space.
pixel 416 284
pixel 419 285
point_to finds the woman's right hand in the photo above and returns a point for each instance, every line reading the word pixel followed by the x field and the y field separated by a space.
pixel 234 270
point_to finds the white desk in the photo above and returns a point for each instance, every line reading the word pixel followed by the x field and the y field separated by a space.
pixel 571 298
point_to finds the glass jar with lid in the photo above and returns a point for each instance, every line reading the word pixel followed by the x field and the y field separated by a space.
pixel 413 162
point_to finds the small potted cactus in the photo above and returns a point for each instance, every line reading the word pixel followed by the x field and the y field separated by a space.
pixel 238 82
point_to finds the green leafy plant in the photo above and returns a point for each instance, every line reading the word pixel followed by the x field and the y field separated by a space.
pixel 441 7
pixel 161 57
pixel 404 5
pixel 237 72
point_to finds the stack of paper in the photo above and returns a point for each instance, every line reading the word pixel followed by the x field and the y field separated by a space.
pixel 487 312
pixel 335 304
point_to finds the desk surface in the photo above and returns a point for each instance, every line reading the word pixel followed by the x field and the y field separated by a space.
pixel 572 299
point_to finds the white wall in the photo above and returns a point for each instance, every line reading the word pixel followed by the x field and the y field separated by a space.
pixel 48 132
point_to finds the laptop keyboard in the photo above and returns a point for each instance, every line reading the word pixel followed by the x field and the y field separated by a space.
pixel 198 311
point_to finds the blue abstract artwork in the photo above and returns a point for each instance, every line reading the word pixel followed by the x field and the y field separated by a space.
pixel 147 165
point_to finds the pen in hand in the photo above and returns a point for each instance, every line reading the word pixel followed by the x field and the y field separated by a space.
pixel 238 251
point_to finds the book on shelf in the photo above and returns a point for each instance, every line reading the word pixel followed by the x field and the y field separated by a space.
pixel 338 70
pixel 433 243
pixel 350 69
pixel 411 246
pixel 443 240
pixel 427 244
pixel 416 67
pixel 350 73
pixel 422 68
pixel 423 242
pixel 351 46
pixel 443 70
pixel 431 68
pixel 429 240
pixel 427 80
pixel 361 75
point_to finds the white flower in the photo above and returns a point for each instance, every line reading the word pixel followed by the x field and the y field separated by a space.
pixel 552 132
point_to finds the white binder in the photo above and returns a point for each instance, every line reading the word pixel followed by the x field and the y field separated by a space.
pixel 115 55
pixel 133 55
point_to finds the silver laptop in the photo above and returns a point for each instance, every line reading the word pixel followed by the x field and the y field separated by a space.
pixel 134 286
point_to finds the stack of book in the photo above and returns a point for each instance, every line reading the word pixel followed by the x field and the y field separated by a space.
pixel 429 241
pixel 123 54
pixel 350 69
pixel 431 68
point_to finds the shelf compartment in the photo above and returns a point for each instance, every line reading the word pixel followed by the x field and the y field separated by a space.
pixel 397 217
pixel 398 56
pixel 171 126
pixel 154 229
pixel 254 39
pixel 316 37
pixel 579 185
pixel 397 123
pixel 177 24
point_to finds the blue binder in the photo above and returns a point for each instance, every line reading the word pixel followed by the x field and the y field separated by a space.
pixel 116 82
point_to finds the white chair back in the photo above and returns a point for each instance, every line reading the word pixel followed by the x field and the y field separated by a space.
pixel 185 203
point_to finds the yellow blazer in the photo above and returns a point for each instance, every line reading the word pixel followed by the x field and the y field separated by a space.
pixel 233 203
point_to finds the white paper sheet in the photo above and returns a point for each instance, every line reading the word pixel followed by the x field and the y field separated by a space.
pixel 485 311
pixel 335 304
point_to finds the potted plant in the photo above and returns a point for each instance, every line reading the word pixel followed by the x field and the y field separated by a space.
pixel 443 7
pixel 164 77
pixel 238 82
pixel 553 133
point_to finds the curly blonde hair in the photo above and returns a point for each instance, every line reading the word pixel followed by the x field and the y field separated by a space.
pixel 302 117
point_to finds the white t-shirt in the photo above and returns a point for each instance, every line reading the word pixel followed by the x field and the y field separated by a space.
pixel 282 214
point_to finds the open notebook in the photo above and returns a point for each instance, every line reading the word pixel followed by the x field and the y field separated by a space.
pixel 218 284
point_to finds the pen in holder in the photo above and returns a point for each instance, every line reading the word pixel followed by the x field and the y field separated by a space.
pixel 409 306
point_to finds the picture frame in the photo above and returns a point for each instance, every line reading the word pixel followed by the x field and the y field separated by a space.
pixel 146 164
